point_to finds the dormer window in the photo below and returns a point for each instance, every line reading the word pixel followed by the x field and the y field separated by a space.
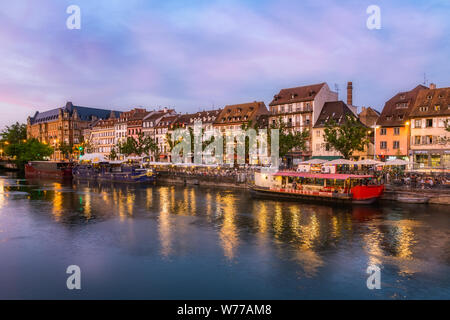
pixel 437 107
pixel 429 97
pixel 402 97
pixel 423 109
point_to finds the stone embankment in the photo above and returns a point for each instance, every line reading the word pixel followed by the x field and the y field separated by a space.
pixel 242 180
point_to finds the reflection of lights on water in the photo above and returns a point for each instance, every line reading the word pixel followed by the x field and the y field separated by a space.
pixel 192 202
pixel 262 218
pixel 149 197
pixel 130 201
pixel 373 246
pixel 57 205
pixel 306 235
pixel 278 221
pixel 335 227
pixel 208 205
pixel 164 222
pixel 228 232
pixel 2 194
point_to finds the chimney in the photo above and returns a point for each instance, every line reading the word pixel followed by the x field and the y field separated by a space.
pixel 349 93
pixel 432 86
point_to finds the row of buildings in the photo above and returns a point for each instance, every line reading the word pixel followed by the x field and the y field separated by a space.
pixel 412 124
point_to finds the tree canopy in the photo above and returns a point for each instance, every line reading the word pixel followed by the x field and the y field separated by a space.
pixel 347 137
pixel 289 139
pixel 142 145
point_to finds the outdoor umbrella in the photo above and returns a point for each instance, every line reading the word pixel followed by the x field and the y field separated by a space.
pixel 340 162
pixel 313 161
pixel 369 162
pixel 397 162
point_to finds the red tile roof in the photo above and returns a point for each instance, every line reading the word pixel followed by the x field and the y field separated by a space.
pixel 397 109
pixel 297 94
pixel 432 102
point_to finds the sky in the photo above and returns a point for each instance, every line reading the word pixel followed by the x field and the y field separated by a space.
pixel 200 55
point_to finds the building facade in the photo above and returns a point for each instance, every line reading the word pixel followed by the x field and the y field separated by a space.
pixel 430 141
pixel 336 111
pixel 392 132
pixel 299 108
pixel 102 137
pixel 64 125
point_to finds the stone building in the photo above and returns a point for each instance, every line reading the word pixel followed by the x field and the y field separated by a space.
pixel 64 125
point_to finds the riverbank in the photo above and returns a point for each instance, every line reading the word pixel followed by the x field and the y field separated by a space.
pixel 243 180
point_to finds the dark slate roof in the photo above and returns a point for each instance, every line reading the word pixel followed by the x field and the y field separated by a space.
pixel 336 110
pixel 397 109
pixel 297 94
pixel 84 113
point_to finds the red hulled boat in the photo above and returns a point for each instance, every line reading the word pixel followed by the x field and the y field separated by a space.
pixel 350 188
pixel 48 169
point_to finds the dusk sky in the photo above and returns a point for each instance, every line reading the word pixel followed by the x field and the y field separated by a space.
pixel 195 55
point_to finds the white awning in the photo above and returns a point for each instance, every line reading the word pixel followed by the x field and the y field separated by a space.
pixel 397 162
pixel 313 161
pixel 369 162
pixel 339 162
pixel 93 157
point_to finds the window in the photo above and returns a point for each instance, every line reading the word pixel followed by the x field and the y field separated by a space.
pixel 396 131
pixel 396 145
pixel 429 123
pixel 417 123
pixel 437 107
pixel 383 145
pixel 423 109
pixel 383 131
pixel 416 140
pixel 318 133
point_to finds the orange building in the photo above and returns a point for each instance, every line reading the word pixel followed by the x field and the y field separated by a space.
pixel 392 132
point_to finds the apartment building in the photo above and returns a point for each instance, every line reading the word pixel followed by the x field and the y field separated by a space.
pixel 430 141
pixel 299 108
pixel 392 132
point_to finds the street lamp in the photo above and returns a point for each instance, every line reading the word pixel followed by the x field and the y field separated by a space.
pixel 375 127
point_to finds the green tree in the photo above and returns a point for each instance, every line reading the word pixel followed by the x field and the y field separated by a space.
pixel 128 147
pixel 15 133
pixel 113 154
pixel 66 149
pixel 348 137
pixel 142 145
pixel 288 139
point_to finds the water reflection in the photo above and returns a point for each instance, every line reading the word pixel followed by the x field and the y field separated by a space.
pixel 289 237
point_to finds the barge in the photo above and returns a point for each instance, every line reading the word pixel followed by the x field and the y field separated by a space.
pixel 48 170
pixel 114 172
pixel 338 188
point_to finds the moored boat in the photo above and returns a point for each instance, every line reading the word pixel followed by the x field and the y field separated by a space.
pixel 348 188
pixel 48 169
pixel 114 171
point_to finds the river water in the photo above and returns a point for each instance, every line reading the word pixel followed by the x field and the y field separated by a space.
pixel 177 242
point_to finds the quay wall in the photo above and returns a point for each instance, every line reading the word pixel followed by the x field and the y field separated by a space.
pixel 243 180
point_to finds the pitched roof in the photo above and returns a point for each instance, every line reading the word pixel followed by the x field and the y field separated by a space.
pixel 432 102
pixel 84 113
pixel 240 113
pixel 397 109
pixel 297 94
pixel 333 110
